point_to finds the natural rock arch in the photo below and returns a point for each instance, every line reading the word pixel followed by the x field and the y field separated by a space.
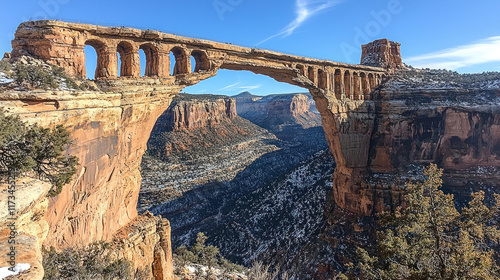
pixel 112 136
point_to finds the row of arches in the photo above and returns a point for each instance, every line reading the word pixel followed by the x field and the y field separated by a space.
pixel 124 60
pixel 354 85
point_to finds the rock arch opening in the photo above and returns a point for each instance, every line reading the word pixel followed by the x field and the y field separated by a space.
pixel 347 84
pixel 301 69
pixel 101 62
pixel 127 57
pixel 151 65
pixel 371 81
pixel 201 61
pixel 311 74
pixel 180 61
pixel 365 87
pixel 338 84
pixel 356 86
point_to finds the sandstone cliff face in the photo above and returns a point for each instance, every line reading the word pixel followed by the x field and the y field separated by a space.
pixel 109 132
pixel 191 112
pixel 457 129
pixel 146 242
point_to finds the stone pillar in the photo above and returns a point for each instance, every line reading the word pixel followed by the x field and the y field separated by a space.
pixel 342 85
pixel 163 62
pixel 107 63
pixel 163 268
pixel 136 63
pixel 331 84
pixel 356 85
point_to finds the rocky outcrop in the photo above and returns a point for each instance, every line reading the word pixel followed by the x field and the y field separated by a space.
pixel 189 112
pixel 26 229
pixel 382 53
pixel 146 242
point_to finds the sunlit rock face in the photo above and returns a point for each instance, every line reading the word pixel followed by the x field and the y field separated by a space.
pixel 410 124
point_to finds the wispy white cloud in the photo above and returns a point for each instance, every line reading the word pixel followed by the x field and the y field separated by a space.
pixel 229 86
pixel 250 87
pixel 487 50
pixel 304 10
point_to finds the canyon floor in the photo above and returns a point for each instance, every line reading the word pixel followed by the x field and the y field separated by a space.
pixel 260 188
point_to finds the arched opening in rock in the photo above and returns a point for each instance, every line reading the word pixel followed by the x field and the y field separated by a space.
pixel 347 84
pixel 126 54
pixel 201 61
pixel 301 69
pixel 371 81
pixel 338 84
pixel 178 61
pixel 149 60
pixel 205 159
pixel 96 59
pixel 311 74
pixel 142 60
pixel 193 65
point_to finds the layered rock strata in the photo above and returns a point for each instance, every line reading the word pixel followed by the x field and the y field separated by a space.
pixel 109 133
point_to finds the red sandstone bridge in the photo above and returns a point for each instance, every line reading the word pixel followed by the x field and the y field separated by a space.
pixel 63 44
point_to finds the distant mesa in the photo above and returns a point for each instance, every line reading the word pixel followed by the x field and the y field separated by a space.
pixel 276 112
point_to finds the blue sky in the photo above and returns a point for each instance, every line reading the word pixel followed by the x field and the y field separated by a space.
pixel 457 35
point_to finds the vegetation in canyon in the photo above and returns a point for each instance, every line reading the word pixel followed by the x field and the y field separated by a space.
pixel 35 150
pixel 428 238
pixel 92 263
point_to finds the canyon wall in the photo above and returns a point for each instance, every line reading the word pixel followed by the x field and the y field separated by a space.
pixel 191 112
pixel 109 132
pixel 277 105
pixel 279 112
pixel 378 143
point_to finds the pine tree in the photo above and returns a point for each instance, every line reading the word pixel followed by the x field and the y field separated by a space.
pixel 31 148
pixel 428 238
